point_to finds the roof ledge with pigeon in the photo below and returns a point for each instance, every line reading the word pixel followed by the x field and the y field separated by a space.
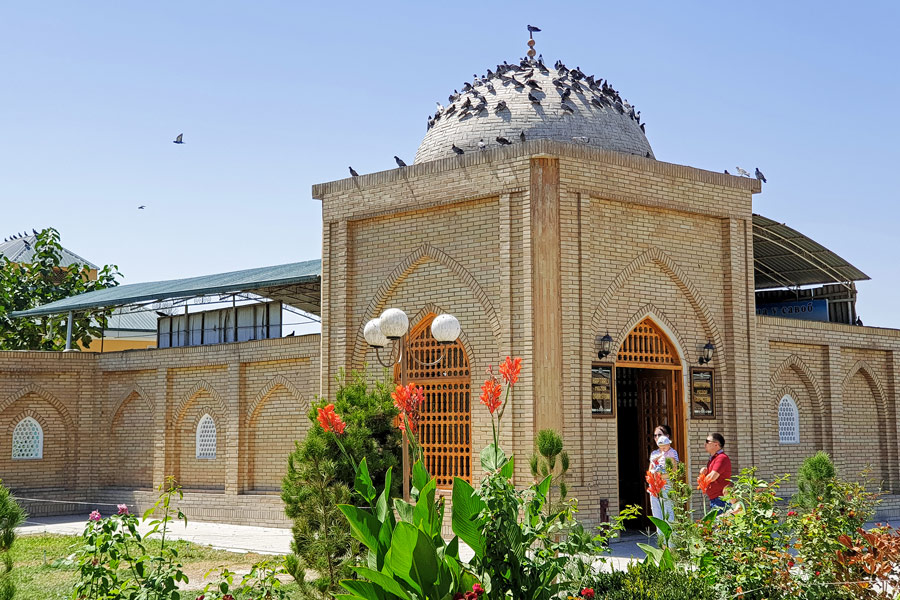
pixel 530 100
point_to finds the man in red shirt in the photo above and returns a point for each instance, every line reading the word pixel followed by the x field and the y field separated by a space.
pixel 717 470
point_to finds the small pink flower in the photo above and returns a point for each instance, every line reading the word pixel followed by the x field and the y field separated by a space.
pixel 478 589
pixel 95 516
pixel 123 509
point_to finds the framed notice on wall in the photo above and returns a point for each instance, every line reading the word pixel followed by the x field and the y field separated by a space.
pixel 703 400
pixel 603 397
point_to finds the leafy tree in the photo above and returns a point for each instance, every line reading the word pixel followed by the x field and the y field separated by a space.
pixel 28 285
pixel 320 477
pixel 11 516
pixel 816 473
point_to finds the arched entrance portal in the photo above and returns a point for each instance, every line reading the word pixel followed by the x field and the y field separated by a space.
pixel 445 424
pixel 648 394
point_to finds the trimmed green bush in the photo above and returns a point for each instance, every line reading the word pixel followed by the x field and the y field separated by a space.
pixel 815 474
pixel 11 516
pixel 646 581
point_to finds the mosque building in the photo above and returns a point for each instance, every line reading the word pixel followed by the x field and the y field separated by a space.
pixel 637 292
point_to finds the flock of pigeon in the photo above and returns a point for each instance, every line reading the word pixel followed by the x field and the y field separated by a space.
pixel 743 173
pixel 476 97
pixel 21 236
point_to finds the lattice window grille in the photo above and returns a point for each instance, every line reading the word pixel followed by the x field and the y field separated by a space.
pixel 28 440
pixel 646 344
pixel 445 426
pixel 788 421
pixel 206 438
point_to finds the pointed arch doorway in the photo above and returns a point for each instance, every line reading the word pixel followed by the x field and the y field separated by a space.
pixel 445 421
pixel 648 394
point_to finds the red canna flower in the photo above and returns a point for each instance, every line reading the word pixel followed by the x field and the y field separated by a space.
pixel 656 482
pixel 792 513
pixel 408 399
pixel 510 369
pixel 490 394
pixel 330 420
pixel 478 589
pixel 587 593
pixel 703 483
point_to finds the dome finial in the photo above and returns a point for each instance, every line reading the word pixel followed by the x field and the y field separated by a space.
pixel 531 30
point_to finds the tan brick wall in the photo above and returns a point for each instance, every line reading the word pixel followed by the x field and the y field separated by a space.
pixel 131 444
pixel 118 422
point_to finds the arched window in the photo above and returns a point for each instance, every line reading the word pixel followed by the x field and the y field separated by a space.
pixel 206 437
pixel 28 440
pixel 445 423
pixel 788 421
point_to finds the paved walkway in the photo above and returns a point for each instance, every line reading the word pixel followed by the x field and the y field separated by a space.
pixel 266 540
pixel 236 538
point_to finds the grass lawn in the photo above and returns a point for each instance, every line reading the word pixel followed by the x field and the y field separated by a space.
pixel 41 571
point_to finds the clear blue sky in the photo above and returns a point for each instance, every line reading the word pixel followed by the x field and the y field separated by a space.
pixel 273 97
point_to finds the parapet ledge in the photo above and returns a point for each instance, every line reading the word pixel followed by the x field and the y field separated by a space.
pixel 533 149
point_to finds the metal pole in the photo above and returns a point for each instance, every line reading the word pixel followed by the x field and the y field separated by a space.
pixel 69 333
pixel 403 362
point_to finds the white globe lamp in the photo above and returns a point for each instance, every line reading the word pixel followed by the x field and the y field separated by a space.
pixel 373 334
pixel 445 328
pixel 394 323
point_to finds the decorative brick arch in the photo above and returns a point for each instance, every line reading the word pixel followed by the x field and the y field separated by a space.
pixel 68 423
pixel 787 390
pixel 659 318
pixel 862 367
pixel 33 388
pixel 813 389
pixel 681 280
pixel 188 398
pixel 403 269
pixel 135 389
pixel 432 308
pixel 279 381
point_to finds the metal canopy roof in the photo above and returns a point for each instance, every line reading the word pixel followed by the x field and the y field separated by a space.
pixel 297 284
pixel 784 257
pixel 21 250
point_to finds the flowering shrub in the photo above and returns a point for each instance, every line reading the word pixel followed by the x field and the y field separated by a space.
pixel 113 561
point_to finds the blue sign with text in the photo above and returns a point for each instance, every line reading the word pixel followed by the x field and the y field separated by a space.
pixel 806 310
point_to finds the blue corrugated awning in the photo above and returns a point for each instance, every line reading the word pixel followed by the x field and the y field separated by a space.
pixel 297 284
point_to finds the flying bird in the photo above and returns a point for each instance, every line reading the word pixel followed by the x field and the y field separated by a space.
pixel 353 172
pixel 742 172
pixel 760 176
pixel 399 161
pixel 177 140
pixel 503 141
pixel 457 149
pixel 142 207
pixel 34 231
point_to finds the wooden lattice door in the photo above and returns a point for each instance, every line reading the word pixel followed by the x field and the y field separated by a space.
pixel 445 425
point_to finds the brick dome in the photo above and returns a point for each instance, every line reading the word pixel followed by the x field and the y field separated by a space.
pixel 498 105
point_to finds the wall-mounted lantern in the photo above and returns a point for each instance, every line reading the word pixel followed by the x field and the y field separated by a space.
pixel 605 346
pixel 708 351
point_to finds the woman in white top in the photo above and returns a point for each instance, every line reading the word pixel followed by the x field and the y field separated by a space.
pixel 658 458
